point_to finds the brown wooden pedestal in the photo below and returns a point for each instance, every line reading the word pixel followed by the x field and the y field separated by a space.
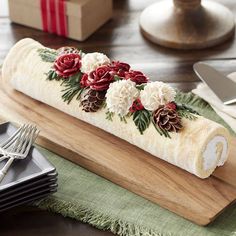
pixel 187 24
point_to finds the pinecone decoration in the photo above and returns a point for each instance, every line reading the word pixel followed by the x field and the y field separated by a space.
pixel 167 119
pixel 93 100
pixel 67 50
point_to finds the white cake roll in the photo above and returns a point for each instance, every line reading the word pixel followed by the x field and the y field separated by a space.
pixel 198 148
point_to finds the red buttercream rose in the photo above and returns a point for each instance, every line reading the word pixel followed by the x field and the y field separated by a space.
pixel 136 106
pixel 100 78
pixel 119 68
pixel 67 64
pixel 136 76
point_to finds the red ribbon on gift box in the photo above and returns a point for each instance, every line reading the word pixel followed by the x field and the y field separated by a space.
pixel 53 13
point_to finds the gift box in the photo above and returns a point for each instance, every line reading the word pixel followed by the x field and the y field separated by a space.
pixel 76 19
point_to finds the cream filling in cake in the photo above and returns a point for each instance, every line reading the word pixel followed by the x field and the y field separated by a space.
pixel 215 153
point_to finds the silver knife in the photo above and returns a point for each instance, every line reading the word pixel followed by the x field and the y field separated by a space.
pixel 223 87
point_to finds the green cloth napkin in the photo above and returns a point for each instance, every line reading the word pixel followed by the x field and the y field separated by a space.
pixel 90 198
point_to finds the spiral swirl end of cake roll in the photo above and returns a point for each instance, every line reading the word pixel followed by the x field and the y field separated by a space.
pixel 214 153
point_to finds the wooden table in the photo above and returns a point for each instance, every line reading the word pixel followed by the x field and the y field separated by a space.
pixel 119 39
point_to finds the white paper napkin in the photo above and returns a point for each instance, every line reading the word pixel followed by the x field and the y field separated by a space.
pixel 226 112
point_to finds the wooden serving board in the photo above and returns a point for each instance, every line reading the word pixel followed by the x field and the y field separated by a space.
pixel 195 199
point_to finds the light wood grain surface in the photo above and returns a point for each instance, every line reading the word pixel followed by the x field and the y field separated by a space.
pixel 123 163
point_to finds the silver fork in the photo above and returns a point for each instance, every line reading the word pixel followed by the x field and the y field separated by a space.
pixel 5 144
pixel 21 147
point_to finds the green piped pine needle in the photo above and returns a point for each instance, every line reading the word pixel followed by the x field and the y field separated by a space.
pixel 186 112
pixel 47 54
pixel 109 115
pixel 72 88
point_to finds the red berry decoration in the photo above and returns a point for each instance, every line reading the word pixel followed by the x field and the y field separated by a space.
pixel 136 106
pixel 171 105
pixel 84 81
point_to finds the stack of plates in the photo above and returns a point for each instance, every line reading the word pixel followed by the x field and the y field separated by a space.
pixel 27 180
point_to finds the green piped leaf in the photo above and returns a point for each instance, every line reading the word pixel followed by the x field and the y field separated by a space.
pixel 140 86
pixel 142 120
pixel 117 78
pixel 52 75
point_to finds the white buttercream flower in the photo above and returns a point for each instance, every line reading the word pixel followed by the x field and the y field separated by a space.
pixel 120 96
pixel 91 61
pixel 155 94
